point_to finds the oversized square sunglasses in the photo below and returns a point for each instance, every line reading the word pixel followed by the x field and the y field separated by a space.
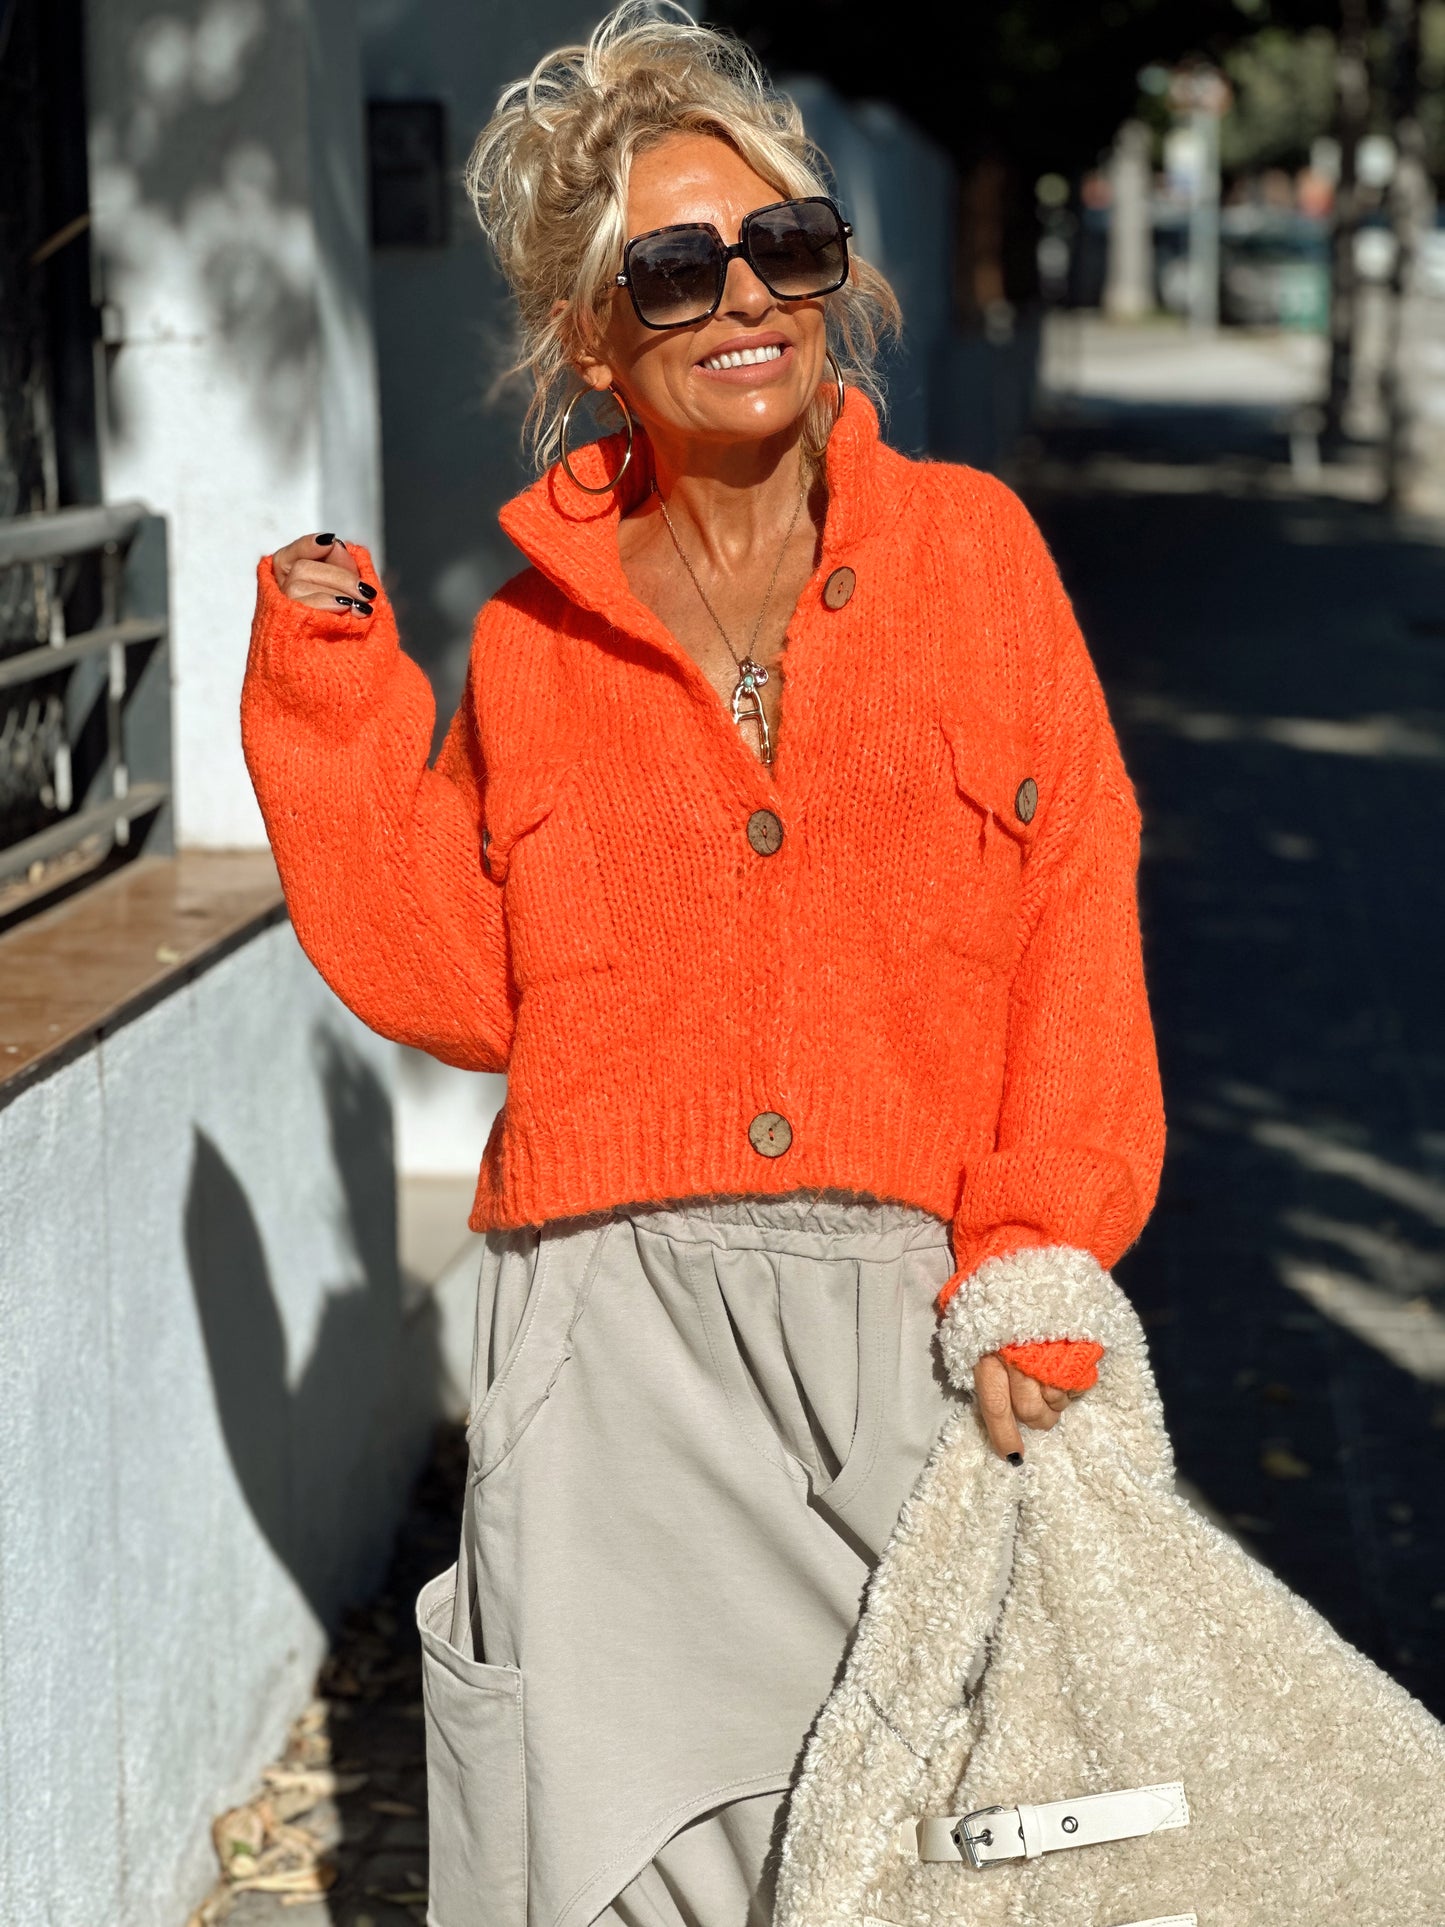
pixel 676 275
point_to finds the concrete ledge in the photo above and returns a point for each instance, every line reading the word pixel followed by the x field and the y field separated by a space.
pixel 102 956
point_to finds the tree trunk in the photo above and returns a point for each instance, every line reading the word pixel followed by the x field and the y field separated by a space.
pixel 1352 107
pixel 1410 214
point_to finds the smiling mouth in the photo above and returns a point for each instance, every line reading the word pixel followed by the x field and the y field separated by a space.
pixel 743 358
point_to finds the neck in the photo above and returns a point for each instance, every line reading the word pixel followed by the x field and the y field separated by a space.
pixel 736 495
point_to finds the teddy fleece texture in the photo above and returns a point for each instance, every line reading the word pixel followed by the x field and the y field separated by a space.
pixel 935 977
pixel 1075 1627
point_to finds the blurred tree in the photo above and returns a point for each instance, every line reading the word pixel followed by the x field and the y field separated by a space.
pixel 1011 89
pixel 1041 84
pixel 1284 98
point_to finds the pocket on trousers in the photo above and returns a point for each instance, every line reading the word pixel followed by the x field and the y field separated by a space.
pixel 476 1776
pixel 551 1269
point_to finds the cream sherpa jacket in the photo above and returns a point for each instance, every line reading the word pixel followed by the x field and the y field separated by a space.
pixel 1077 1628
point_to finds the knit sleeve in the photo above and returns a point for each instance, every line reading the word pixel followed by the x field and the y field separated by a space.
pixel 1080 1135
pixel 379 854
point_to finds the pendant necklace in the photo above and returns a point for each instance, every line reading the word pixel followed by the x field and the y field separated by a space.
pixel 747 703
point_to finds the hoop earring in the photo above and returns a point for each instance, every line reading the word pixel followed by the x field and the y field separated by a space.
pixel 587 487
pixel 837 379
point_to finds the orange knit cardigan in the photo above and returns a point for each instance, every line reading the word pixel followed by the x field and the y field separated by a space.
pixel 930 990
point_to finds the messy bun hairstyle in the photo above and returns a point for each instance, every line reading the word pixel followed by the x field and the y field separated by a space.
pixel 548 178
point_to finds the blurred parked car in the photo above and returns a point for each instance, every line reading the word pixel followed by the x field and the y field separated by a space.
pixel 1274 269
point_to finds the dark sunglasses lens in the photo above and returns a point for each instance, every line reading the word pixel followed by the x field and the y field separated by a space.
pixel 674 277
pixel 798 249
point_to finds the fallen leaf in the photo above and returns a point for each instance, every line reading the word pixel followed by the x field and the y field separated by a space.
pixel 239 1835
pixel 1247 1522
pixel 292 1880
pixel 1279 1462
pixel 297 1840
pixel 340 1680
pixel 318 1781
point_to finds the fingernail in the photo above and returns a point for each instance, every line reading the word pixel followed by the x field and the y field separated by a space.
pixel 366 589
pixel 345 601
pixel 324 540
pixel 1015 1458
pixel 362 608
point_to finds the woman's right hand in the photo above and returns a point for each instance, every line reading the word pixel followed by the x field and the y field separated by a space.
pixel 1009 1398
pixel 318 569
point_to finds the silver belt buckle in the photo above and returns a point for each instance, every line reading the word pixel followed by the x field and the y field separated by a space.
pixel 968 1842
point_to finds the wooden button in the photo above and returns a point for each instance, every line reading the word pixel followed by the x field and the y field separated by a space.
pixel 765 832
pixel 839 587
pixel 770 1134
pixel 1027 800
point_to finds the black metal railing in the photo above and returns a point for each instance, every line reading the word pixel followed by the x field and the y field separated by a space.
pixel 85 724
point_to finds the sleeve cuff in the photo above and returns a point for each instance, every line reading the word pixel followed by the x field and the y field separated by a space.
pixel 1071 1364
pixel 324 664
pixel 1034 1299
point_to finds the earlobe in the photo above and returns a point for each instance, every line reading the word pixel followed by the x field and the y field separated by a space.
pixel 590 368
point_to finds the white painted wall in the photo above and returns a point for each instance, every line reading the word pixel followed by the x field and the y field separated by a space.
pixel 212 1401
pixel 228 200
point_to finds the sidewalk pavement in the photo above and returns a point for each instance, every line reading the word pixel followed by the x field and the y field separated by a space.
pixel 1275 663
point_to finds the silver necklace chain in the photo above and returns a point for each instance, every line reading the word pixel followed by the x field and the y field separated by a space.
pixel 747 704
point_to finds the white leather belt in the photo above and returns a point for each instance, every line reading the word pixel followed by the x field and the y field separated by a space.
pixel 1024 1832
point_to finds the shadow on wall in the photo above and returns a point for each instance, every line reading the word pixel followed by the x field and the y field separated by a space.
pixel 282 1433
pixel 216 130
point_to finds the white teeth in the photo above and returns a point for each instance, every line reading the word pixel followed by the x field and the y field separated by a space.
pixel 744 357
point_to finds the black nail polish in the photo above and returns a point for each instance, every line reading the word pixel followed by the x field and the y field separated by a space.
pixel 366 589
pixel 324 541
pixel 345 601
pixel 362 608
pixel 1015 1458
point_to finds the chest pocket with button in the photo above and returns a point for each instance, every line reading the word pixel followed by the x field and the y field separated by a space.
pixel 540 846
pixel 987 836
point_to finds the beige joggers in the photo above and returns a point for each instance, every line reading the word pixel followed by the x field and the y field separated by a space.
pixel 692 1428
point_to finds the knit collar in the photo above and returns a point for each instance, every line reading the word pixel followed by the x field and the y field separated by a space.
pixel 571 536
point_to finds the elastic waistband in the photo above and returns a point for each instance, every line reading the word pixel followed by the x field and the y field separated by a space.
pixel 803 1224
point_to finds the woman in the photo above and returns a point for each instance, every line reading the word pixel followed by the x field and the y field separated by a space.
pixel 809 1007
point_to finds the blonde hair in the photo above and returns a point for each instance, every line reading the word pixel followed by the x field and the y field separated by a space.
pixel 548 178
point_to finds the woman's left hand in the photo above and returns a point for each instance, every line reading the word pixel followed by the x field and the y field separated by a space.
pixel 1008 1398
